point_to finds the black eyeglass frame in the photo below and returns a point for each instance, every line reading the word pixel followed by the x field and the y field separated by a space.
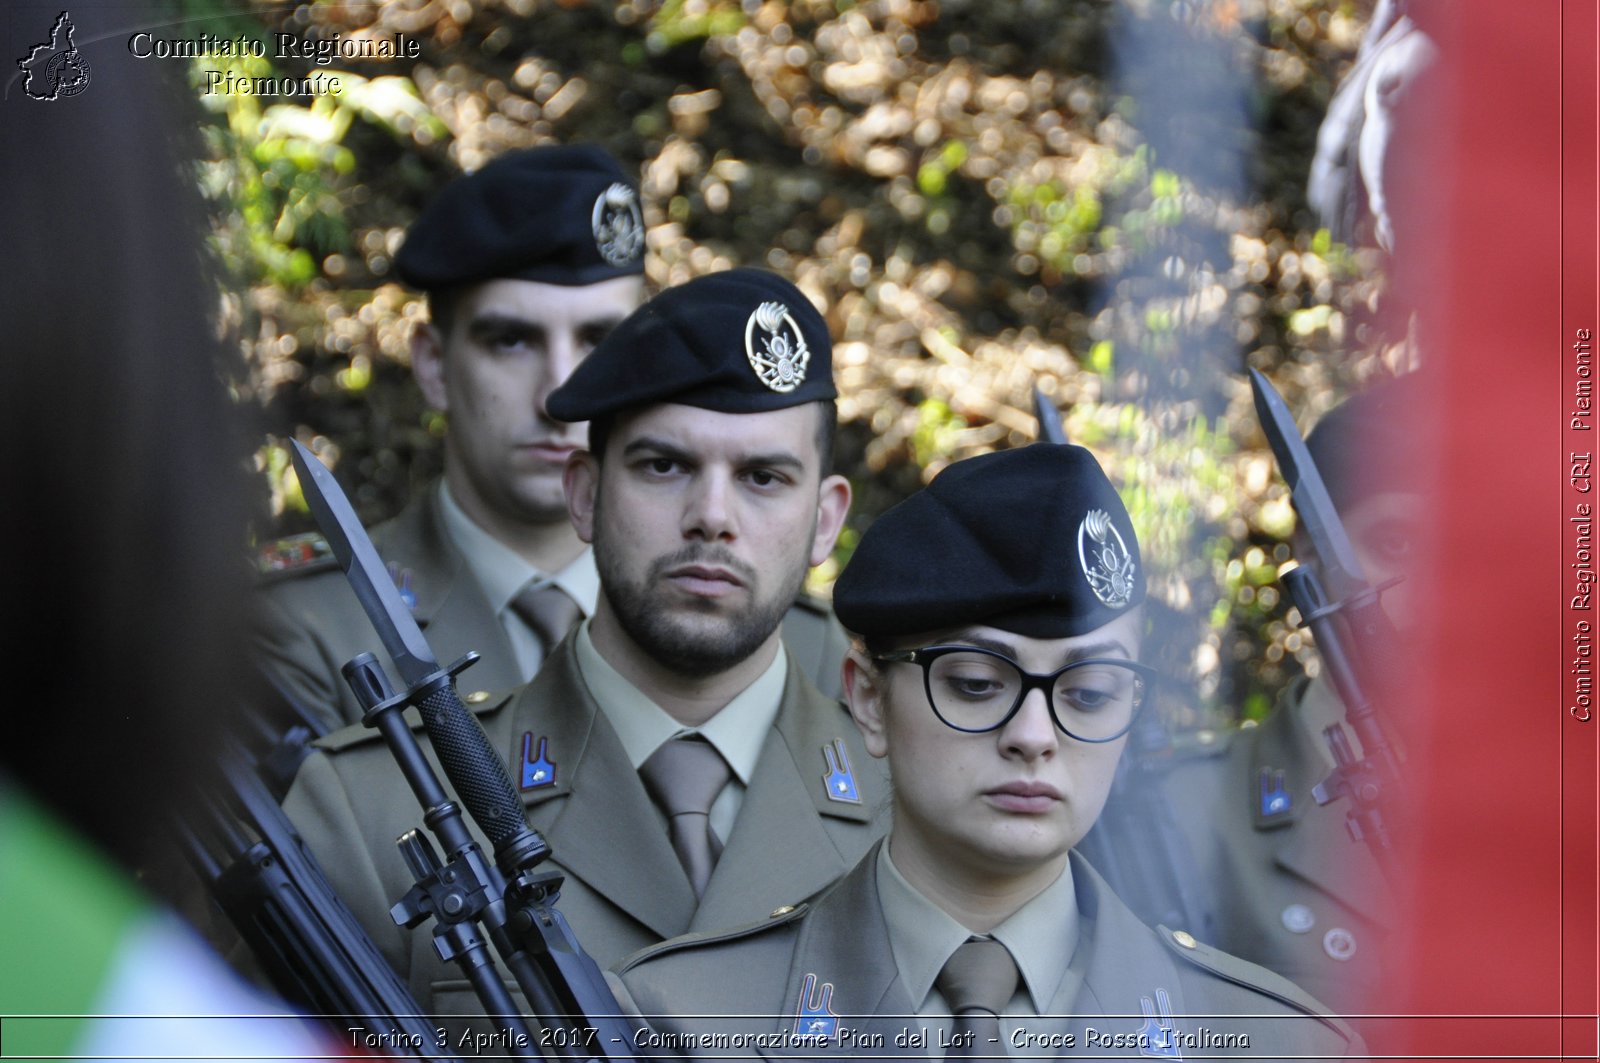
pixel 926 655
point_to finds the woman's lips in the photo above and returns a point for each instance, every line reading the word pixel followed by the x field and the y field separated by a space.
pixel 1024 796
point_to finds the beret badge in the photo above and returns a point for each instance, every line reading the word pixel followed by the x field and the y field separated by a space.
pixel 618 225
pixel 1106 563
pixel 777 353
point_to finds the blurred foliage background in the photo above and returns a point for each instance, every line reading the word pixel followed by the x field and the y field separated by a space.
pixel 1104 200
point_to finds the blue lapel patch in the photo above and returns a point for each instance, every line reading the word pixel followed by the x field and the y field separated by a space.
pixel 840 782
pixel 1157 1038
pixel 1274 791
pixel 536 771
pixel 814 1018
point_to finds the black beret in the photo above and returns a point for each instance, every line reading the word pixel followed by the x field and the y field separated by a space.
pixel 1034 541
pixel 1360 446
pixel 561 215
pixel 741 341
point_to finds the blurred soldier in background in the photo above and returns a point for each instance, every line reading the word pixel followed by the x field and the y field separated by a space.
pixel 682 766
pixel 1293 890
pixel 527 264
pixel 123 584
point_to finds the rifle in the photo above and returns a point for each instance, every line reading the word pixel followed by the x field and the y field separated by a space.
pixel 1354 636
pixel 308 943
pixel 1136 843
pixel 511 899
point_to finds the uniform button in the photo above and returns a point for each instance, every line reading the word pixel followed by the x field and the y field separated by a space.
pixel 1184 938
pixel 477 697
pixel 1339 943
pixel 1297 919
pixel 785 910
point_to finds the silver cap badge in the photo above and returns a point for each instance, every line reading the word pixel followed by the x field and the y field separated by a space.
pixel 1106 564
pixel 778 354
pixel 618 225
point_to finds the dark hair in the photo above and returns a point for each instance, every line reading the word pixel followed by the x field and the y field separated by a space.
pixel 827 428
pixel 442 306
pixel 124 537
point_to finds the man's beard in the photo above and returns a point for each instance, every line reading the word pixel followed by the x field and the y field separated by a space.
pixel 691 650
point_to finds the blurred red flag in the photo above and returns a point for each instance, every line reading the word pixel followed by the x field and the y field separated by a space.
pixel 1498 937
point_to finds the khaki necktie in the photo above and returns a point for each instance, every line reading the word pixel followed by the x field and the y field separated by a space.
pixel 683 777
pixel 977 981
pixel 547 610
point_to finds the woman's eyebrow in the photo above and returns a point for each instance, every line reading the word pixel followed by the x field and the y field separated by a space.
pixel 1107 648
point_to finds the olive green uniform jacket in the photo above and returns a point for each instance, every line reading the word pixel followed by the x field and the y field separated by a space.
pixel 833 958
pixel 308 623
pixel 1293 891
pixel 625 887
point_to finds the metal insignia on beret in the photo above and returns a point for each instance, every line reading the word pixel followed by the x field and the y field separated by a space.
pixel 618 225
pixel 1107 565
pixel 782 357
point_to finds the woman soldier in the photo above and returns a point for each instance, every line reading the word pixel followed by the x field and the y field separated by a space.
pixel 998 621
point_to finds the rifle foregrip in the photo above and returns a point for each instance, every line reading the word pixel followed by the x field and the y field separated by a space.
pixel 472 766
pixel 1380 649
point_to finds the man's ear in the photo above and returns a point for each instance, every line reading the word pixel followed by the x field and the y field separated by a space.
pixel 833 505
pixel 580 481
pixel 427 365
pixel 864 692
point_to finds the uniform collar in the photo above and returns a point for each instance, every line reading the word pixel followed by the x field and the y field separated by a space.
pixel 738 730
pixel 1040 935
pixel 500 571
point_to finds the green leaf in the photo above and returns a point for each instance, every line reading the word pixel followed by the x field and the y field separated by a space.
pixel 931 179
pixel 1100 358
pixel 1310 320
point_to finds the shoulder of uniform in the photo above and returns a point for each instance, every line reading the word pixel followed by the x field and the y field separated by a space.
pixel 1183 945
pixel 481 703
pixel 293 555
pixel 781 917
pixel 1201 743
pixel 811 604
pixel 1188 759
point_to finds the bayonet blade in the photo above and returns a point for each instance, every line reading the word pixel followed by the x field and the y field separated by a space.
pixel 1051 429
pixel 1341 572
pixel 368 576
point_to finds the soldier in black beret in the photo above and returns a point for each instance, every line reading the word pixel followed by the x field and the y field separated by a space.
pixel 673 750
pixel 988 519
pixel 1295 892
pixel 526 263
pixel 1000 620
